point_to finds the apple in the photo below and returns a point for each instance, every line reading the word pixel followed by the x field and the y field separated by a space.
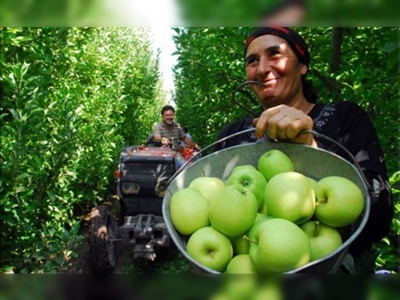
pixel 236 287
pixel 233 210
pixel 339 201
pixel 274 162
pixel 189 211
pixel 210 248
pixel 324 239
pixel 270 288
pixel 240 264
pixel 289 195
pixel 250 179
pixel 239 243
pixel 253 229
pixel 244 167
pixel 207 185
pixel 278 246
pixel 313 182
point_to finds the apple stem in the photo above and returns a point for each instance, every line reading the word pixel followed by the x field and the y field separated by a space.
pixel 250 240
pixel 203 173
pixel 316 229
pixel 321 201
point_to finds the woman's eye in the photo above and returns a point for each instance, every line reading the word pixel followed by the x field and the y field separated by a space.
pixel 274 52
pixel 251 60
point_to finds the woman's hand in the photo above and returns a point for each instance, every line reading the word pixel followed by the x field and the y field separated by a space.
pixel 283 122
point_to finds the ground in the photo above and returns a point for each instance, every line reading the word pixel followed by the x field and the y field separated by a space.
pixel 168 260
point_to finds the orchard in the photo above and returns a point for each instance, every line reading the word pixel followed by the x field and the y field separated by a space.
pixel 72 97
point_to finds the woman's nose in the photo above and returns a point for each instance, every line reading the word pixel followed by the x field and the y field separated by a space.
pixel 264 66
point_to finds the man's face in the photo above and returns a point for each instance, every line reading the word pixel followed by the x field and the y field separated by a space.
pixel 168 117
pixel 270 60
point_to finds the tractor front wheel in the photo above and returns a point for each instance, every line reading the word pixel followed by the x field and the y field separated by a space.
pixel 102 240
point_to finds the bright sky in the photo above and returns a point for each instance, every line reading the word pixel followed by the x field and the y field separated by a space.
pixel 163 41
pixel 160 15
pixel 144 13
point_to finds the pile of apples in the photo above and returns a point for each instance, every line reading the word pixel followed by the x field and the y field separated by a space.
pixel 270 219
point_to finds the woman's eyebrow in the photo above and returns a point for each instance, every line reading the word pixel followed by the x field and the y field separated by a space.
pixel 273 48
pixel 267 50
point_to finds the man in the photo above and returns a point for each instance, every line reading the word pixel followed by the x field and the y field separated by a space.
pixel 169 132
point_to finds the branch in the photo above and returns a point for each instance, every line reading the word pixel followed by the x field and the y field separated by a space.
pixel 336 43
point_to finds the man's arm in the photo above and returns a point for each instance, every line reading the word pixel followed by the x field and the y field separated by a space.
pixel 156 133
pixel 190 143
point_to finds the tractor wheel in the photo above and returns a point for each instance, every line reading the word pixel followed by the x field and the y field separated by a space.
pixel 102 240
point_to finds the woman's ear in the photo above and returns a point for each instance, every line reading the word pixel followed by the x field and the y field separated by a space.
pixel 303 69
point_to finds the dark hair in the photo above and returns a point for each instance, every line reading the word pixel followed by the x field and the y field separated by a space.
pixel 185 130
pixel 167 107
pixel 299 47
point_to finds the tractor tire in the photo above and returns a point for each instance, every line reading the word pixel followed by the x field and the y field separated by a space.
pixel 102 241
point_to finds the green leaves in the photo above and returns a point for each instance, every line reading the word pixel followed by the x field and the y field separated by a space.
pixel 70 99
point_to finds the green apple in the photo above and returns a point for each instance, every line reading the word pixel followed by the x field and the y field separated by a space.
pixel 240 264
pixel 189 211
pixel 271 288
pixel 210 248
pixel 233 210
pixel 274 162
pixel 279 246
pixel 250 179
pixel 236 287
pixel 313 182
pixel 207 185
pixel 253 229
pixel 240 243
pixel 289 195
pixel 339 201
pixel 324 239
pixel 244 167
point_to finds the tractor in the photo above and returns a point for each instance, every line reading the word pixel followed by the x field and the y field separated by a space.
pixel 140 179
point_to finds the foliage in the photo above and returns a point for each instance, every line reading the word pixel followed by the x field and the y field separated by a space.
pixel 388 250
pixel 70 99
pixel 205 76
pixel 210 66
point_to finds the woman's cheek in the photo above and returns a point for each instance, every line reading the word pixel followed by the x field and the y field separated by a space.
pixel 250 74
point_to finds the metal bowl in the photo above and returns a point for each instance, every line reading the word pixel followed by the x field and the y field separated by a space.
pixel 312 162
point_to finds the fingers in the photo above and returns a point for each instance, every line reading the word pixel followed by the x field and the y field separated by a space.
pixel 265 123
pixel 284 122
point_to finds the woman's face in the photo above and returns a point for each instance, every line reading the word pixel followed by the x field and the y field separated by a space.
pixel 270 60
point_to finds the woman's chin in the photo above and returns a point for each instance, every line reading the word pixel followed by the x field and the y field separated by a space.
pixel 269 101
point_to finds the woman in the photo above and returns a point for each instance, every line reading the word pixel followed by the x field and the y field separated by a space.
pixel 278 58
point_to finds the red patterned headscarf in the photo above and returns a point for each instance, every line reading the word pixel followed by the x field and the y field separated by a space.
pixel 295 41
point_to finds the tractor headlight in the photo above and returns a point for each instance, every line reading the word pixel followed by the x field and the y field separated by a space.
pixel 130 188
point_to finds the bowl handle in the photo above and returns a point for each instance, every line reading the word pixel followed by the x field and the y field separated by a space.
pixel 305 131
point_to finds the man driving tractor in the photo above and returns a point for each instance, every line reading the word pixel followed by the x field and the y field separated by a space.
pixel 169 132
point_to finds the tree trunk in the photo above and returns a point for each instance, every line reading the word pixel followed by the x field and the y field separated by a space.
pixel 336 42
